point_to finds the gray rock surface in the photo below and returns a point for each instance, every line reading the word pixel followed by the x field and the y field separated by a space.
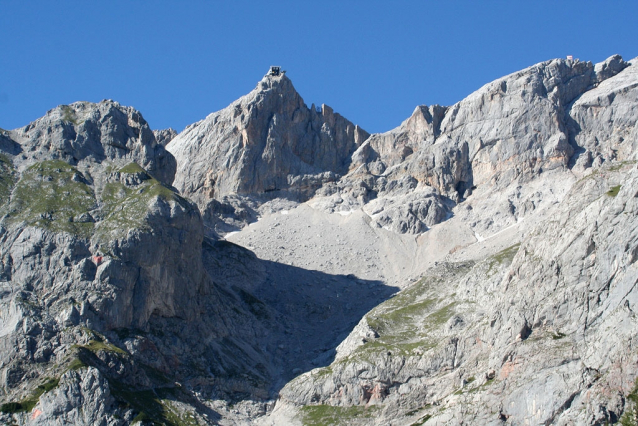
pixel 88 132
pixel 525 335
pixel 506 220
pixel 267 143
pixel 82 398
pixel 163 137
pixel 602 121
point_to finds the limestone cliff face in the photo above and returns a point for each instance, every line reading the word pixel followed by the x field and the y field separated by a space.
pixel 89 240
pixel 518 286
pixel 77 191
pixel 517 127
pixel 513 129
pixel 267 141
pixel 89 132
pixel 543 332
pixel 518 124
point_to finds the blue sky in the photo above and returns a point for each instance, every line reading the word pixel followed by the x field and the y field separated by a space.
pixel 372 61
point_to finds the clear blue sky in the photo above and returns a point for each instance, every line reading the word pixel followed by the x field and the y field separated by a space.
pixel 372 61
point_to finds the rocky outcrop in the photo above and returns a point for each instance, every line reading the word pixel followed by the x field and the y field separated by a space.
pixel 512 129
pixel 95 133
pixel 543 331
pixel 163 137
pixel 90 242
pixel 602 122
pixel 80 195
pixel 82 397
pixel 266 143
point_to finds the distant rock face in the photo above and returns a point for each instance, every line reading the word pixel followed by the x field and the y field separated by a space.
pixel 268 141
pixel 512 126
pixel 90 132
pixel 269 144
pixel 602 122
pixel 163 137
pixel 533 121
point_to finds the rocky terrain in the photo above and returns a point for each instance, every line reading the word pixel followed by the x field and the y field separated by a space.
pixel 276 264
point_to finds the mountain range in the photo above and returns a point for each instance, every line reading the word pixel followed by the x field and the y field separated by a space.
pixel 276 264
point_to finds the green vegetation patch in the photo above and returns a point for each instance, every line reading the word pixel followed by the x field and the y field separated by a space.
pixel 558 335
pixel 422 420
pixel 96 346
pixel 504 256
pixel 27 404
pixel 68 114
pixel 442 315
pixel 408 303
pixel 613 191
pixel 406 323
pixel 76 364
pixel 479 388
pixel 7 178
pixel 125 208
pixel 99 343
pixel 401 315
pixel 630 416
pixel 324 415
pixel 132 168
pixel 620 165
pixel 153 405
pixel 52 195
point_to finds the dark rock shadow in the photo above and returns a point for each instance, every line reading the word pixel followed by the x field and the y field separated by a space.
pixel 9 146
pixel 260 324
pixel 303 314
pixel 572 129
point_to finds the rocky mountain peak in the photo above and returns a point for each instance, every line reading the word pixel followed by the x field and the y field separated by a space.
pixel 506 222
pixel 92 133
pixel 267 142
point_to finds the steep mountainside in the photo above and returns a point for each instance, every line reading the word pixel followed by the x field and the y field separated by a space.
pixel 266 143
pixel 475 265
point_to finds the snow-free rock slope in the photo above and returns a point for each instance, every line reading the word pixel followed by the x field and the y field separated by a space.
pixel 276 264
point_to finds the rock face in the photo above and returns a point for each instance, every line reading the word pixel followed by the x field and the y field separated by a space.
pixel 532 339
pixel 267 142
pixel 81 398
pixel 163 137
pixel 507 222
pixel 111 294
pixel 95 133
pixel 526 334
pixel 91 242
pixel 83 210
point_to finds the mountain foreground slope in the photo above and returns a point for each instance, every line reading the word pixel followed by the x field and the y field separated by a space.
pixel 276 264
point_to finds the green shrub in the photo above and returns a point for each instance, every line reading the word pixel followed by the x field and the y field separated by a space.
pixel 614 191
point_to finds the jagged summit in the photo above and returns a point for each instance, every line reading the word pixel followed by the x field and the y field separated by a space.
pixel 268 141
pixel 506 222
pixel 92 133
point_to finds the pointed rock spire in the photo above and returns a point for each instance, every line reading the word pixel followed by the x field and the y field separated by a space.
pixel 266 141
